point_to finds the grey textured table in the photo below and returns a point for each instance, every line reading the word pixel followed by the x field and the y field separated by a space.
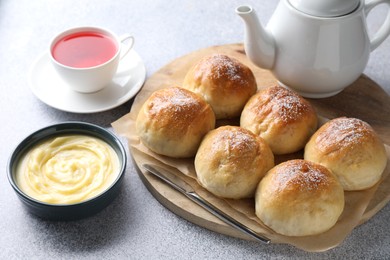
pixel 135 225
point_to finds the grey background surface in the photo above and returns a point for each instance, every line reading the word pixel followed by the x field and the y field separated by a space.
pixel 135 225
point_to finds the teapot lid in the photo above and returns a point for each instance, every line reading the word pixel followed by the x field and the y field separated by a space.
pixel 325 8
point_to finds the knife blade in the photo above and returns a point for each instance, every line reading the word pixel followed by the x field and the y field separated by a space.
pixel 190 193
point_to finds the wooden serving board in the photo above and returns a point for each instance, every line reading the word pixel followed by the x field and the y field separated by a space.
pixel 364 99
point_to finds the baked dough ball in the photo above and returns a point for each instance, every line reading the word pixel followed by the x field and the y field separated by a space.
pixel 224 82
pixel 281 117
pixel 231 161
pixel 299 198
pixel 173 121
pixel 351 149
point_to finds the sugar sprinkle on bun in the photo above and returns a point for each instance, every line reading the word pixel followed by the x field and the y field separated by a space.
pixel 231 161
pixel 173 121
pixel 351 149
pixel 224 82
pixel 281 117
pixel 299 198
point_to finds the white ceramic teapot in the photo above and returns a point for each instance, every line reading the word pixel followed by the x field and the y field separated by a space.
pixel 316 47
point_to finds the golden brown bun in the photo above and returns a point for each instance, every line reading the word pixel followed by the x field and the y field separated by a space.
pixel 351 149
pixel 281 117
pixel 299 198
pixel 224 82
pixel 173 121
pixel 231 161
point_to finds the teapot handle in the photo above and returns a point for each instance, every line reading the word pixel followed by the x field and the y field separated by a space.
pixel 384 30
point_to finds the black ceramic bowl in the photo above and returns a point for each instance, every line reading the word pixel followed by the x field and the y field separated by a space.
pixel 67 211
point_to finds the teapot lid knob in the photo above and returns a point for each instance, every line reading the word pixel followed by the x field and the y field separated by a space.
pixel 325 8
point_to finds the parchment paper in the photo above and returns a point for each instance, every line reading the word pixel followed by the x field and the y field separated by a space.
pixel 360 206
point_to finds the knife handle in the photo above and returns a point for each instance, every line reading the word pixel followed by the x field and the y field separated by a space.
pixel 226 218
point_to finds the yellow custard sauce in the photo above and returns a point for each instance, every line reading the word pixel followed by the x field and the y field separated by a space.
pixel 68 169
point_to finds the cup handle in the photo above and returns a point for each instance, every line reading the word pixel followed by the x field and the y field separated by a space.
pixel 127 42
pixel 384 30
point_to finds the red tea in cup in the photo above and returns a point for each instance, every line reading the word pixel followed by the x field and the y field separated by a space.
pixel 87 58
pixel 84 49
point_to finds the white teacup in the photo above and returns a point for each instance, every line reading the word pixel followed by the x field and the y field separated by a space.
pixel 87 58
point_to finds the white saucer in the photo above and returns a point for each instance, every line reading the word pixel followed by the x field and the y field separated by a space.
pixel 47 85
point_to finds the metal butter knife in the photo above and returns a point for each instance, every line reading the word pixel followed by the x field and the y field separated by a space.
pixel 188 191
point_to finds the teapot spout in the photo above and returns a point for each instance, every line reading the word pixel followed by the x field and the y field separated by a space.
pixel 259 43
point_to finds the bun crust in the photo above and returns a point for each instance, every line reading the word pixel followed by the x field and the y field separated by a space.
pixel 350 148
pixel 224 82
pixel 173 121
pixel 231 161
pixel 299 198
pixel 281 117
